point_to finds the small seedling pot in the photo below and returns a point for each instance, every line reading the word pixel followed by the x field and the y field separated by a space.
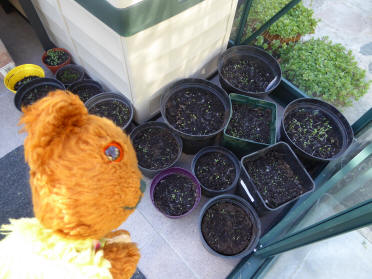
pixel 193 143
pixel 21 72
pixel 209 149
pixel 243 204
pixel 70 67
pixel 244 52
pixel 242 146
pixel 249 191
pixel 111 96
pixel 54 69
pixel 24 91
pixel 182 172
pixel 153 124
pixel 77 86
pixel 343 127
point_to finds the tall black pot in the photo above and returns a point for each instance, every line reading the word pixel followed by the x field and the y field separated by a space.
pixel 193 143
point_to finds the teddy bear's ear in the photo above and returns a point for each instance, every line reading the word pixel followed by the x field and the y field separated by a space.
pixel 49 119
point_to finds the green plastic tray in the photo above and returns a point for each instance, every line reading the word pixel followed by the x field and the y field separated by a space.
pixel 243 147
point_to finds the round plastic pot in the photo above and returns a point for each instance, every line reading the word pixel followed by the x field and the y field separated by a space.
pixel 248 190
pixel 73 67
pixel 33 84
pixel 241 146
pixel 180 171
pixel 256 231
pixel 21 72
pixel 153 124
pixel 342 125
pixel 54 69
pixel 193 143
pixel 76 86
pixel 209 149
pixel 111 96
pixel 245 52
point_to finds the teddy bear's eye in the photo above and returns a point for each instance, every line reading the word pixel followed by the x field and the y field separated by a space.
pixel 114 152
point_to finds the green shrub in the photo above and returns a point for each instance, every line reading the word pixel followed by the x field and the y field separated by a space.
pixel 323 69
pixel 298 20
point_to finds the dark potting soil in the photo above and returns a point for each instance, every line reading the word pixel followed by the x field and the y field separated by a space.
pixel 250 122
pixel 36 94
pixel 314 132
pixel 195 111
pixel 56 57
pixel 24 81
pixel 114 110
pixel 249 74
pixel 175 194
pixel 275 179
pixel 85 92
pixel 227 228
pixel 68 76
pixel 156 148
pixel 215 171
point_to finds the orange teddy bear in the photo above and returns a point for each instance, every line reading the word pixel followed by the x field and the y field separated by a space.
pixel 85 183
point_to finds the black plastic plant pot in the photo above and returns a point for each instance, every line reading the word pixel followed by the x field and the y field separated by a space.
pixel 157 147
pixel 114 106
pixel 217 170
pixel 170 192
pixel 218 215
pixel 197 110
pixel 86 89
pixel 272 178
pixel 248 70
pixel 69 74
pixel 251 126
pixel 315 130
pixel 35 90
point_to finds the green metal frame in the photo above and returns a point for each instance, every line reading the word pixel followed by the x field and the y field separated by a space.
pixel 351 219
pixel 265 26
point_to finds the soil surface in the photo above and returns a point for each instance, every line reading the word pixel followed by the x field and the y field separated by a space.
pixel 215 171
pixel 156 148
pixel 175 194
pixel 314 132
pixel 227 228
pixel 114 110
pixel 24 81
pixel 275 179
pixel 249 74
pixel 36 94
pixel 195 111
pixel 69 76
pixel 85 92
pixel 56 57
pixel 250 122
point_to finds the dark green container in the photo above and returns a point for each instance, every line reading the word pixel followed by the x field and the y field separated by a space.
pixel 243 147
pixel 135 18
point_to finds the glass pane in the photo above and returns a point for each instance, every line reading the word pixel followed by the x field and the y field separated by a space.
pixel 237 19
pixel 344 256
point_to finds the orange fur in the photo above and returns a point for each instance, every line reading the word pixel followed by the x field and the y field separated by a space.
pixel 76 190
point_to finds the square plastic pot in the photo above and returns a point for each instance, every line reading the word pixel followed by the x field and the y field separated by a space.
pixel 241 146
pixel 248 190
